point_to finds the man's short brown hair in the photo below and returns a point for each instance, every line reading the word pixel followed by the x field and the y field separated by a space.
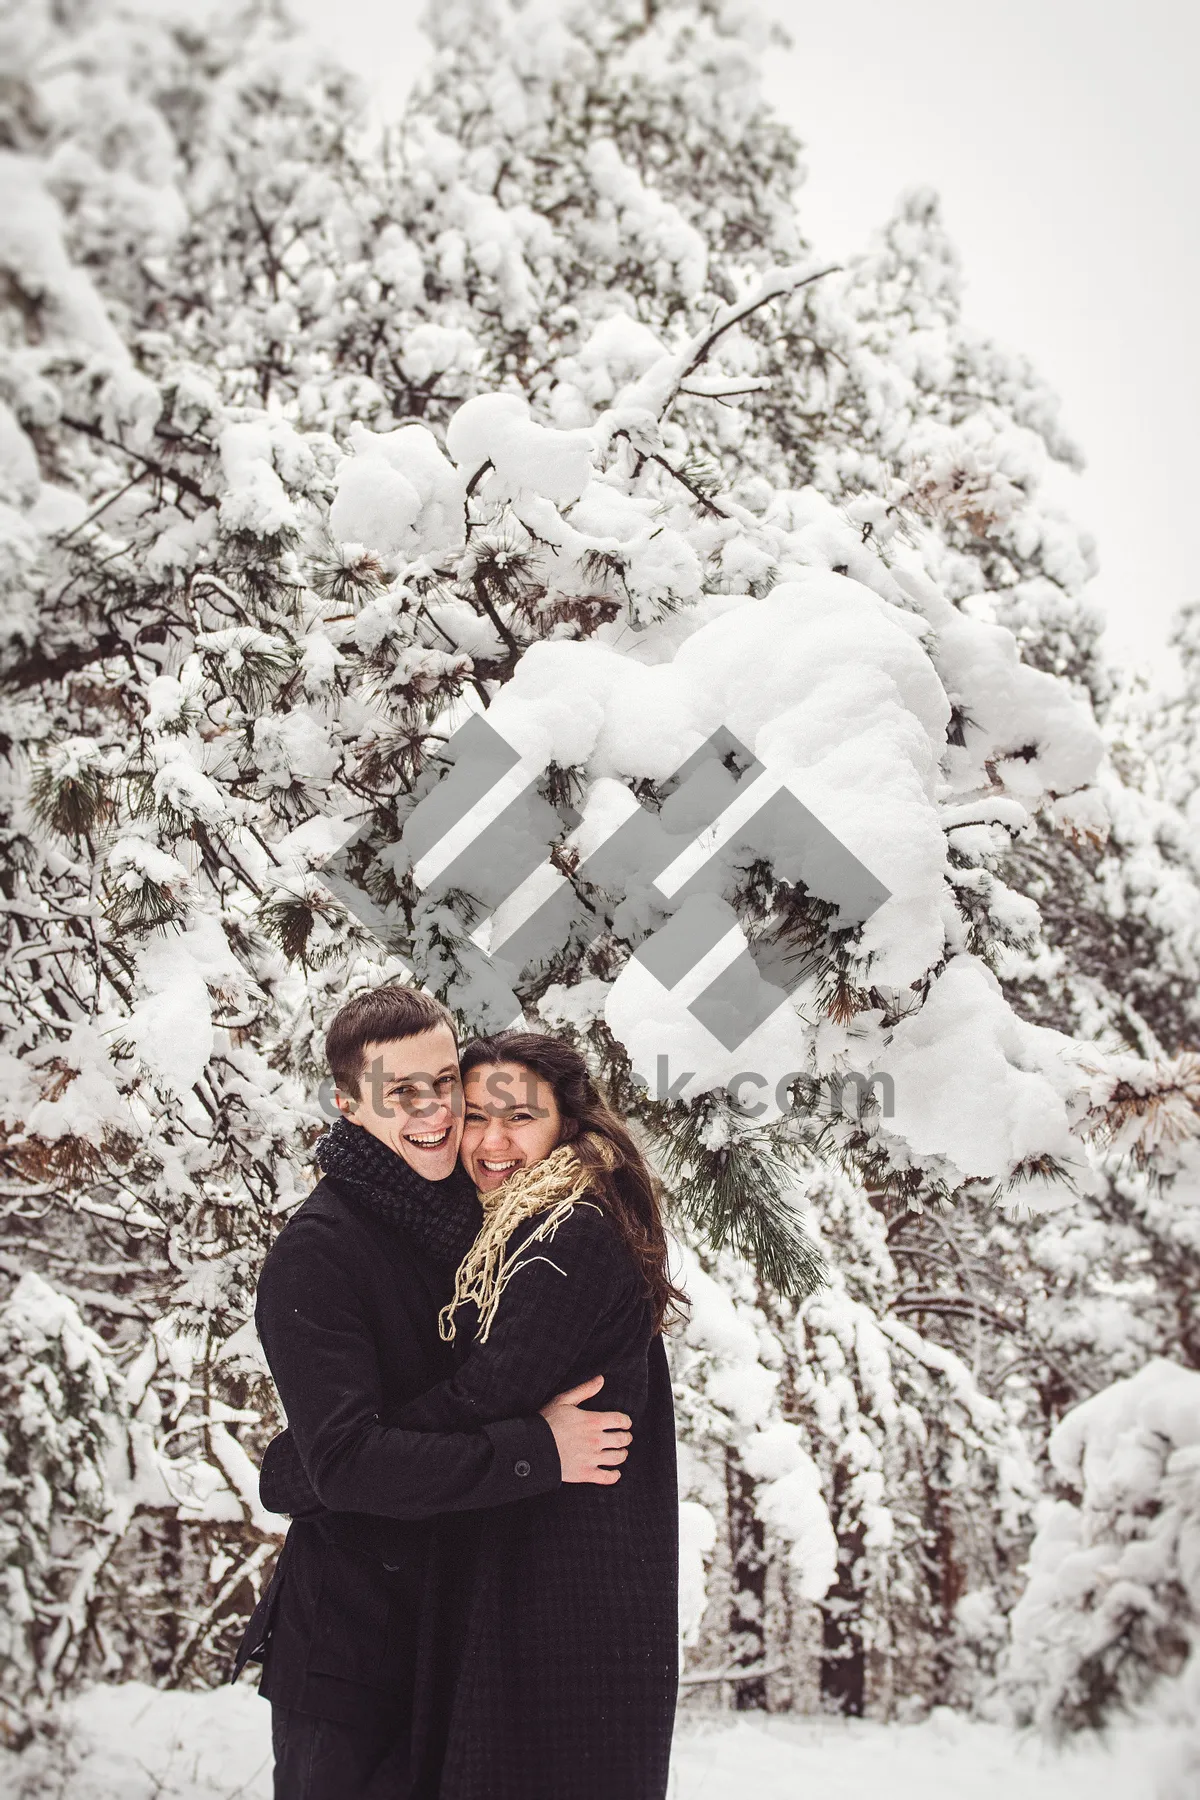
pixel 378 1016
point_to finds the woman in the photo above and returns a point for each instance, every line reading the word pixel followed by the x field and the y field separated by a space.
pixel 549 1661
pixel 560 1662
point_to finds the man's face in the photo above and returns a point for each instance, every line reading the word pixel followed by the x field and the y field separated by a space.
pixel 411 1100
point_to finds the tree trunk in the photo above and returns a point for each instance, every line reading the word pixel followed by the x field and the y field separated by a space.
pixel 748 1582
pixel 844 1663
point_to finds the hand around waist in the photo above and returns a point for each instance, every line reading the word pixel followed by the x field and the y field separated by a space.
pixel 591 1445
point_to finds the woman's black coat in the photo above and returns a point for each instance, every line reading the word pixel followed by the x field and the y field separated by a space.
pixel 549 1664
pixel 566 1654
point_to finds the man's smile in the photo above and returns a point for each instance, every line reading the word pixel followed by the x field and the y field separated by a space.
pixel 429 1140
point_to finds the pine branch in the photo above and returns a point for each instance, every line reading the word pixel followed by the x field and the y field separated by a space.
pixel 184 483
pixel 731 1182
pixel 40 667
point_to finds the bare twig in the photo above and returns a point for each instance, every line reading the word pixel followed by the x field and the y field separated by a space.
pixel 781 281
pixel 181 481
pixel 208 1617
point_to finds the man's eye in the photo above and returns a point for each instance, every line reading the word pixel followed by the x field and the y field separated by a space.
pixel 446 1083
pixel 474 1117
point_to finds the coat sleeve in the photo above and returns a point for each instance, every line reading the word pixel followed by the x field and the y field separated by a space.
pixel 549 1315
pixel 322 1355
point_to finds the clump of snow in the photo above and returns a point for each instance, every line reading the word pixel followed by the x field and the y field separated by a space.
pixel 979 1087
pixel 397 494
pixel 658 562
pixel 525 456
pixel 255 499
pixel 176 702
pixel 646 218
pixel 171 1025
pixel 181 784
pixel 1031 728
pixel 697 1535
pixel 87 1104
pixel 431 350
pixel 294 746
pixel 790 1500
pixel 616 352
pixel 579 1005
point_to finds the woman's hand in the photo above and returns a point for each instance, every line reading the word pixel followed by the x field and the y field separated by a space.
pixel 590 1444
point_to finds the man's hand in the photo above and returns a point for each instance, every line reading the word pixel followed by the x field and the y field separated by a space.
pixel 590 1444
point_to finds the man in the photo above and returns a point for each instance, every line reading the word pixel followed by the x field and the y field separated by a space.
pixel 353 1628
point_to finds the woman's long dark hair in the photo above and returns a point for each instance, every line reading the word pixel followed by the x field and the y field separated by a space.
pixel 628 1190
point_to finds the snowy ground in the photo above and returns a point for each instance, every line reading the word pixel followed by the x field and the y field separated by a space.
pixel 133 1743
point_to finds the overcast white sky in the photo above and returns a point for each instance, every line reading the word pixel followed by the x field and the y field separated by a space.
pixel 1063 137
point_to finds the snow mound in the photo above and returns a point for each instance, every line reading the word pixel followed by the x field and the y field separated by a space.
pixel 134 1743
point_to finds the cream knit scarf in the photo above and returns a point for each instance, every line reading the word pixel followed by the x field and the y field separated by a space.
pixel 553 1187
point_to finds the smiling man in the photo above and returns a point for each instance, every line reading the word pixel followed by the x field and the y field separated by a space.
pixel 349 1630
pixel 413 1098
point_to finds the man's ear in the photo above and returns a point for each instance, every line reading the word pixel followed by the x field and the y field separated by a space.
pixel 346 1104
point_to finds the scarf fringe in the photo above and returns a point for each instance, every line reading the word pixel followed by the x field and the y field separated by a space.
pixel 555 1186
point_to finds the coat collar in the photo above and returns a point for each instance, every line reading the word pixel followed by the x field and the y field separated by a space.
pixel 442 1217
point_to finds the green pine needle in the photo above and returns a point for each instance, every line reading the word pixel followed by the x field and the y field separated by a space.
pixel 734 1194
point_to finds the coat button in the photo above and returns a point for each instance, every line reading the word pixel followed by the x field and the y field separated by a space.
pixel 521 1468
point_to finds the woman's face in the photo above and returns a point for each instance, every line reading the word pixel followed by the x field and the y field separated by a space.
pixel 511 1122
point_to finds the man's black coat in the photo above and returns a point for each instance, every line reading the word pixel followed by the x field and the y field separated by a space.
pixel 347 1313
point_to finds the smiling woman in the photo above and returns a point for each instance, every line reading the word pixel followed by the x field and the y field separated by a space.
pixel 526 1094
pixel 511 1121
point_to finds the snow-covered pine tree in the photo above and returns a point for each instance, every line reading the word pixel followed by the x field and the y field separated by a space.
pixel 1111 1616
pixel 1093 1290
pixel 61 1406
pixel 1113 879
pixel 535 212
pixel 854 1462
pixel 144 1127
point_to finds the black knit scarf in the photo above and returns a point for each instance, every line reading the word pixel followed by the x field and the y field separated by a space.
pixel 442 1217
